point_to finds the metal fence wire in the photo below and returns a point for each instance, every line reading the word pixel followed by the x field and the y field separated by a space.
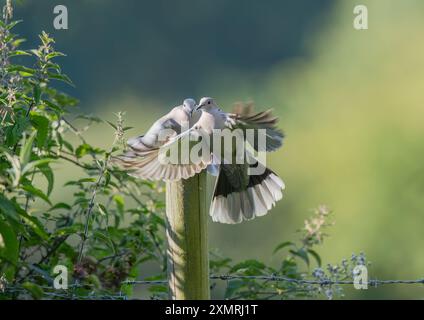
pixel 58 294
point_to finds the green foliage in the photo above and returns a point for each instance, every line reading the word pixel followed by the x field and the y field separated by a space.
pixel 250 279
pixel 90 234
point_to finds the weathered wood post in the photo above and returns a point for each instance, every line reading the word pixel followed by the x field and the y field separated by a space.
pixel 186 215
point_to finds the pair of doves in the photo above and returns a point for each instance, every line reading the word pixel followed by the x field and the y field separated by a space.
pixel 238 196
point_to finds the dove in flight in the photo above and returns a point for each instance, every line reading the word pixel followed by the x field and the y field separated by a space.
pixel 142 157
pixel 239 196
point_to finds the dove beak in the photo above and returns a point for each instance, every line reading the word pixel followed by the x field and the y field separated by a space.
pixel 196 108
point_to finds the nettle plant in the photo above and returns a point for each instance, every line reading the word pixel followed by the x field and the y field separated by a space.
pixel 112 224
pixel 91 234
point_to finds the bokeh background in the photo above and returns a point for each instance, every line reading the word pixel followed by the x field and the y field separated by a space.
pixel 350 102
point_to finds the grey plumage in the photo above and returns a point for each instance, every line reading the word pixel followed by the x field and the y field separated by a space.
pixel 142 156
pixel 237 196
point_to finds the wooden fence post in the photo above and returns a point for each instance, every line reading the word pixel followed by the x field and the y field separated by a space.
pixel 187 236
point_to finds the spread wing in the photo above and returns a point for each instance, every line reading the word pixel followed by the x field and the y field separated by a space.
pixel 244 117
pixel 174 160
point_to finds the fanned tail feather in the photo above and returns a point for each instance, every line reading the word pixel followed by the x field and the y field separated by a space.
pixel 232 205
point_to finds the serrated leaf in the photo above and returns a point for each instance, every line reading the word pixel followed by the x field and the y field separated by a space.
pixel 26 150
pixel 41 123
pixel 55 54
pixel 19 53
pixel 36 94
pixel 24 71
pixel 60 77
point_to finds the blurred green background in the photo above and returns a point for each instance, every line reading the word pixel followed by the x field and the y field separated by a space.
pixel 350 102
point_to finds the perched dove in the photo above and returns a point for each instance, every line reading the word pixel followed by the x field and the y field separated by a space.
pixel 142 158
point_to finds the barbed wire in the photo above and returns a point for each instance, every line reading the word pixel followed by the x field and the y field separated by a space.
pixel 225 277
pixel 276 278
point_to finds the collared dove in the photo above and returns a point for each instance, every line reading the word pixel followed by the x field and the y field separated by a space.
pixel 239 196
pixel 142 158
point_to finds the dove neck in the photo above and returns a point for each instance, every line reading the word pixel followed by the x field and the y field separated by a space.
pixel 187 109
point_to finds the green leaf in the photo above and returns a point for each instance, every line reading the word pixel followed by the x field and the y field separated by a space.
pixel 74 229
pixel 248 266
pixel 41 123
pixel 282 245
pixel 120 204
pixel 33 223
pixel 14 133
pixel 16 43
pixel 158 288
pixel 102 209
pixel 54 107
pixel 23 71
pixel 112 125
pixel 48 173
pixel 26 150
pixel 8 208
pixel 60 77
pixel 301 253
pixel 34 289
pixel 12 24
pixel 36 192
pixel 106 239
pixel 36 164
pixel 316 256
pixel 9 247
pixel 80 182
pixel 61 205
pixel 55 54
pixel 82 150
pixel 19 53
pixel 36 94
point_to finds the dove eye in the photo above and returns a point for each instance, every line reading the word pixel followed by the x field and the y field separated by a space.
pixel 209 102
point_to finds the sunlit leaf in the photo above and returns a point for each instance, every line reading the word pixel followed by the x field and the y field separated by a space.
pixel 8 243
pixel 35 290
pixel 41 123
pixel 36 192
pixel 26 150
pixel 283 245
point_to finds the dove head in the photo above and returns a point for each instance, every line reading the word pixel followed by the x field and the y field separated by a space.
pixel 206 103
pixel 189 104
